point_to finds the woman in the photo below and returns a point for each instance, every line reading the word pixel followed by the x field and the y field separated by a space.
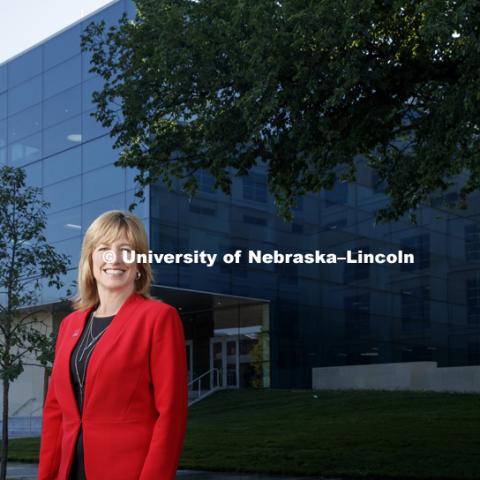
pixel 124 417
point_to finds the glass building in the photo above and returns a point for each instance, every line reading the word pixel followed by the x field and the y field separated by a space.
pixel 261 324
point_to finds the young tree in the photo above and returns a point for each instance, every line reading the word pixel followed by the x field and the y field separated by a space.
pixel 302 87
pixel 25 259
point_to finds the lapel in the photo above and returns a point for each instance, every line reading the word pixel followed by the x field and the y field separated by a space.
pixel 107 339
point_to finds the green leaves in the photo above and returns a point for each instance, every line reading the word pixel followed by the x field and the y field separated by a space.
pixel 306 88
pixel 25 258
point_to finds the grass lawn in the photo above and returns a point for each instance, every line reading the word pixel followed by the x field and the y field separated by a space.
pixel 354 434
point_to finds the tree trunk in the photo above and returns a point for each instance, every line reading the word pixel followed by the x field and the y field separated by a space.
pixel 4 454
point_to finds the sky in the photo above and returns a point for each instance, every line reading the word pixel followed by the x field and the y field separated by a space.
pixel 24 23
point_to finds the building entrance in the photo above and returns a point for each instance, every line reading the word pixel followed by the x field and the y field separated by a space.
pixel 222 332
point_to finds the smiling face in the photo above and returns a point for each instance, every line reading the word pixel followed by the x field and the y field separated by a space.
pixel 117 274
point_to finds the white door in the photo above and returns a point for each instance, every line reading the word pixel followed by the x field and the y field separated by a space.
pixel 224 357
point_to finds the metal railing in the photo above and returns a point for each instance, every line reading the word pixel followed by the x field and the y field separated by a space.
pixel 204 385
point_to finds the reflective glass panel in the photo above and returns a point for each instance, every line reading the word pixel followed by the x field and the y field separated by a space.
pixel 34 174
pixel 93 84
pixel 25 150
pixel 103 182
pixel 131 10
pixel 61 77
pixel 64 194
pixel 27 94
pixel 3 133
pixel 61 166
pixel 92 128
pixel 70 247
pixel 3 106
pixel 3 156
pixel 25 66
pixel 24 123
pixel 110 15
pixel 92 210
pixel 51 294
pixel 60 137
pixel 3 78
pixel 86 57
pixel 62 47
pixel 141 210
pixel 98 153
pixel 64 224
pixel 62 106
pixel 130 177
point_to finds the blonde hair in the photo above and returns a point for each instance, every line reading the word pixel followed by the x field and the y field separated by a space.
pixel 107 228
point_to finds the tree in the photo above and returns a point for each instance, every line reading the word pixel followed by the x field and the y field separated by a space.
pixel 305 88
pixel 25 259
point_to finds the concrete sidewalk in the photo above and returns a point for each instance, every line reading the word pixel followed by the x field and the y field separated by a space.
pixel 28 471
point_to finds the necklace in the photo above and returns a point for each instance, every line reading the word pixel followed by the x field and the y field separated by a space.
pixel 78 358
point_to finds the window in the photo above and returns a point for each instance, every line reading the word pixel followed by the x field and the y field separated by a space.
pixel 3 78
pixel 473 353
pixel 61 166
pixel 94 84
pixel 201 210
pixel 130 174
pixel 472 242
pixel 25 66
pixel 61 107
pixel 61 77
pixel 33 174
pixel 98 153
pixel 255 187
pixel 419 245
pixel 357 315
pixel 141 210
pixel 473 299
pixel 3 106
pixel 298 204
pixel 336 225
pixel 91 128
pixel 297 228
pixel 63 225
pixel 239 269
pixel 252 220
pixel 103 182
pixel 3 133
pixel 377 184
pixel 25 95
pixel 287 273
pixel 91 210
pixel 357 271
pixel 205 181
pixel 62 136
pixel 24 123
pixel 62 195
pixel 26 150
pixel 415 306
pixel 416 353
pixel 131 11
pixel 338 195
pixel 62 47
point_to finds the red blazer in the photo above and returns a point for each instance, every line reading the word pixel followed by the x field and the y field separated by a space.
pixel 136 401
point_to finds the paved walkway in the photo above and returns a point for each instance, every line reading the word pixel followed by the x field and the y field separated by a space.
pixel 28 471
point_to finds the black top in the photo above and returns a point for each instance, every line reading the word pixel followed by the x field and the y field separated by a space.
pixel 78 366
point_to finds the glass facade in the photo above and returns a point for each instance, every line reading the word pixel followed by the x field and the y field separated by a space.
pixel 46 127
pixel 265 324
